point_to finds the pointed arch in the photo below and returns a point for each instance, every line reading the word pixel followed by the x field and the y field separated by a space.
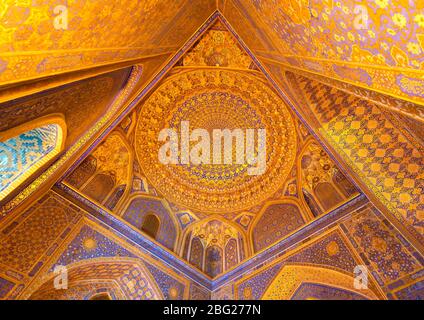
pixel 270 224
pixel 217 232
pixel 101 296
pixel 151 224
pixel 25 149
pixel 123 278
pixel 139 205
pixel 214 261
pixel 292 276
pixel 188 232
pixel 318 188
pixel 196 253
pixel 105 176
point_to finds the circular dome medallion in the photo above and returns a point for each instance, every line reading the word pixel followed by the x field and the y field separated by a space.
pixel 215 99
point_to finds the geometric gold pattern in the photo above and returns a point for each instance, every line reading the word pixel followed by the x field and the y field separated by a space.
pixel 389 161
pixel 216 100
pixel 292 276
pixel 343 179
pixel 217 48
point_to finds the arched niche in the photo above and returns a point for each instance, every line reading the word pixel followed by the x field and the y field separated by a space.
pixel 101 296
pixel 100 186
pixel 276 220
pixel 213 261
pixel 212 239
pixel 25 149
pixel 121 279
pixel 196 253
pixel 323 185
pixel 151 225
pixel 140 205
pixel 291 277
pixel 327 195
pixel 105 175
pixel 83 172
pixel 319 291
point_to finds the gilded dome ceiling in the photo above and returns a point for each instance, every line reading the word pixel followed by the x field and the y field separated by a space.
pixel 215 99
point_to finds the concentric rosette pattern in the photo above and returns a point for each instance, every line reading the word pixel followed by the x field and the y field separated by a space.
pixel 216 99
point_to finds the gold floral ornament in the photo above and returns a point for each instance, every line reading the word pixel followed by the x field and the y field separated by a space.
pixel 215 99
pixel 215 233
pixel 218 48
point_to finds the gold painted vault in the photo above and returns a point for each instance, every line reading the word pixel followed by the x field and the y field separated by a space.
pixel 84 101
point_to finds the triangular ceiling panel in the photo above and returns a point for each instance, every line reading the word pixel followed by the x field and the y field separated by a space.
pixel 214 85
pixel 52 38
pixel 341 184
pixel 376 45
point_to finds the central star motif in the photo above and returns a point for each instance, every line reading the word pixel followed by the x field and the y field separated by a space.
pixel 216 99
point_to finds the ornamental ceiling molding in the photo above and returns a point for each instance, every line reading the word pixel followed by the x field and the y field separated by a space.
pixel 410 82
pixel 45 282
pixel 391 102
pixel 74 150
pixel 210 236
pixel 97 33
pixel 292 276
pixel 212 19
pixel 97 214
pixel 379 47
pixel 212 99
pixel 145 90
pixel 109 219
pixel 328 219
